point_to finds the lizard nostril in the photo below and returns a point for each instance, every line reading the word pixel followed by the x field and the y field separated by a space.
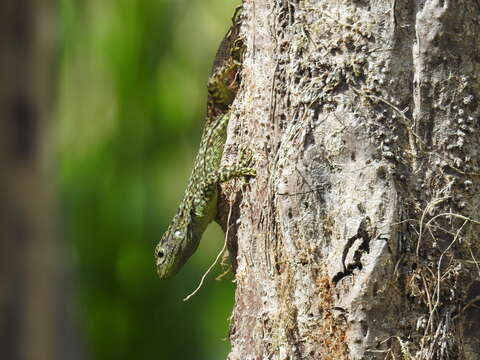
pixel 161 254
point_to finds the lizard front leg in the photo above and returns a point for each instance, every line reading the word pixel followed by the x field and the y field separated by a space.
pixel 208 187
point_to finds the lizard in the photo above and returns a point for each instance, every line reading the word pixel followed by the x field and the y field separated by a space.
pixel 199 205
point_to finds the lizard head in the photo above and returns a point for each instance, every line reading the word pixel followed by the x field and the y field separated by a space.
pixel 173 250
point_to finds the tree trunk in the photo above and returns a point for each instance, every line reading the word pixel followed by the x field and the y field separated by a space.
pixel 28 278
pixel 358 239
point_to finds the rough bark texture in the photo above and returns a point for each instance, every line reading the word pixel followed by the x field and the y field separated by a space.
pixel 359 237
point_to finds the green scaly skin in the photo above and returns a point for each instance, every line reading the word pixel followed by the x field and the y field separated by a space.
pixel 199 205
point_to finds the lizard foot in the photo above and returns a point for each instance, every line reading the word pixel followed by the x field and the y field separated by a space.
pixel 244 167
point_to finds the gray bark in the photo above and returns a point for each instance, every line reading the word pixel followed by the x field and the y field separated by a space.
pixel 358 239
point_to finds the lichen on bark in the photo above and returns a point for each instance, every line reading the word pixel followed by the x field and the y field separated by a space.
pixel 358 238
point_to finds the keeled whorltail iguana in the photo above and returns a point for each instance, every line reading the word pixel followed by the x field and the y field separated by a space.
pixel 199 205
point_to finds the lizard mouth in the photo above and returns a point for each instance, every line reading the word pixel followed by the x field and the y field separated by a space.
pixel 162 271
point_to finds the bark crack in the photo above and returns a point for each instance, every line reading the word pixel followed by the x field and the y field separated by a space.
pixel 365 232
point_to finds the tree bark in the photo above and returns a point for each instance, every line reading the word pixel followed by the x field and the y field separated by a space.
pixel 27 248
pixel 358 239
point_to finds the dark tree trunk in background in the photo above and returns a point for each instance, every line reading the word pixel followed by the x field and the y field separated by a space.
pixel 359 238
pixel 27 247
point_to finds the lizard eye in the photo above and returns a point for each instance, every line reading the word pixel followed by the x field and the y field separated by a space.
pixel 178 234
pixel 161 256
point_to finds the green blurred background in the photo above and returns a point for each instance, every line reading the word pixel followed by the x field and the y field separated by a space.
pixel 130 103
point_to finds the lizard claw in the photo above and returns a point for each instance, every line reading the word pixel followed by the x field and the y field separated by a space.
pixel 246 158
pixel 245 164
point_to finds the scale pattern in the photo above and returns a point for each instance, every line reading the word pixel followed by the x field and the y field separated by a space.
pixel 199 205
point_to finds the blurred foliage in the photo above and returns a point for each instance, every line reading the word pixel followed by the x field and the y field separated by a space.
pixel 131 101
